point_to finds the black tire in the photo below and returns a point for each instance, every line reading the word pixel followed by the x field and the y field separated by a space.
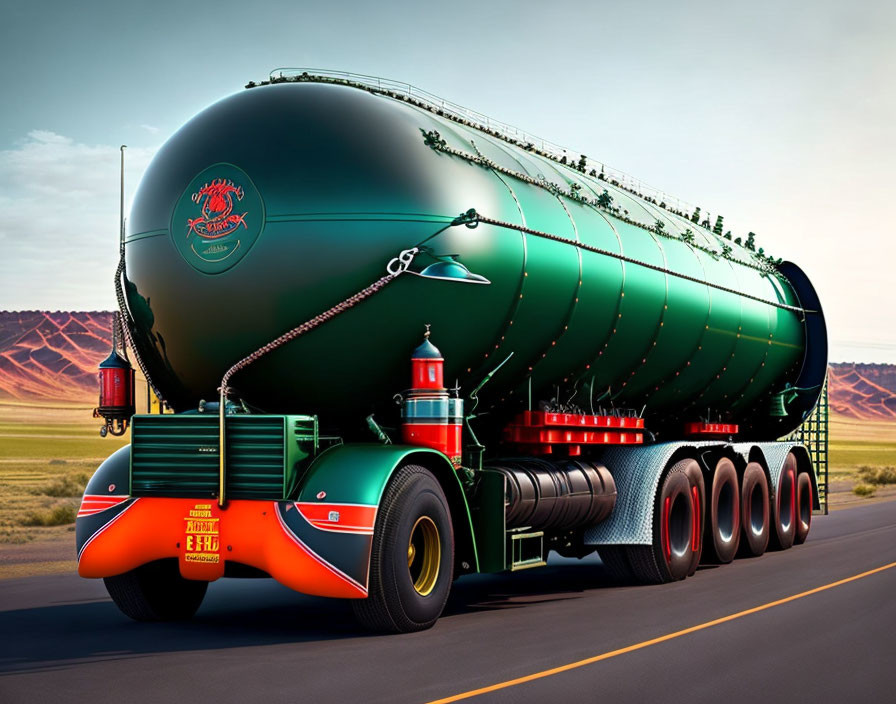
pixel 412 558
pixel 754 515
pixel 784 517
pixel 669 557
pixel 803 508
pixel 156 592
pixel 616 564
pixel 722 533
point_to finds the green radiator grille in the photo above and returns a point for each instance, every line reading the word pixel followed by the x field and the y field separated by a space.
pixel 177 455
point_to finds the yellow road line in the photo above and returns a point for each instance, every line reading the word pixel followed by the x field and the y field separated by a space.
pixel 653 641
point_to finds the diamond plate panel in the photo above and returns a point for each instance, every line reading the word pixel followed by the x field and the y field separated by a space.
pixel 775 453
pixel 636 471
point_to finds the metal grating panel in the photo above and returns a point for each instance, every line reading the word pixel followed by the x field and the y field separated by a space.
pixel 813 435
pixel 174 456
pixel 255 454
pixel 177 456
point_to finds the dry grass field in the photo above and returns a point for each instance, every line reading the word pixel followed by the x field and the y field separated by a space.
pixel 47 453
pixel 859 449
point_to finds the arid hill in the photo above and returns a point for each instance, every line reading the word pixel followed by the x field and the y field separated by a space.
pixel 53 356
pixel 863 391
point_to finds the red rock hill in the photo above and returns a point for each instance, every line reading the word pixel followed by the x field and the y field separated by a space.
pixel 53 357
pixel 864 391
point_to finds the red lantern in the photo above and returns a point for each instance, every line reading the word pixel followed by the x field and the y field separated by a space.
pixel 116 380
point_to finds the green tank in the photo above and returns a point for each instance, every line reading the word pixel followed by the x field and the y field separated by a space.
pixel 278 202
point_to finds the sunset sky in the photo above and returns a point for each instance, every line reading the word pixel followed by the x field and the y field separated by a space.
pixel 779 116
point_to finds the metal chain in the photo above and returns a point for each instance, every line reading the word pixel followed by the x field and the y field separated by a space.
pixel 125 329
pixel 630 260
pixel 395 268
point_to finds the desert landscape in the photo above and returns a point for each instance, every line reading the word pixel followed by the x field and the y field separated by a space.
pixel 51 443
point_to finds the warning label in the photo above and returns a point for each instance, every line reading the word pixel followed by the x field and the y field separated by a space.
pixel 202 542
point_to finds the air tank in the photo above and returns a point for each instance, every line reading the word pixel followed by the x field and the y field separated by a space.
pixel 280 201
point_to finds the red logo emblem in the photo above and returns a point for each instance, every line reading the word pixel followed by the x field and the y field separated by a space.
pixel 216 201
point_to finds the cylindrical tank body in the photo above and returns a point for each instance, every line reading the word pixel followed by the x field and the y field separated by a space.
pixel 276 203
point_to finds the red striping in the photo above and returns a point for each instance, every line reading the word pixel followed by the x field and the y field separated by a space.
pixel 95 503
pixel 352 517
pixel 695 542
pixel 338 527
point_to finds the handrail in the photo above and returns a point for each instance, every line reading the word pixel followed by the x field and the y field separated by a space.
pixel 460 112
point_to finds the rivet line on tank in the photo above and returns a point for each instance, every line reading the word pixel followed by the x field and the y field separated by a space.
pixel 578 244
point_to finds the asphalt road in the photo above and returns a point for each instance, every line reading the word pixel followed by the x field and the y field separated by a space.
pixel 61 639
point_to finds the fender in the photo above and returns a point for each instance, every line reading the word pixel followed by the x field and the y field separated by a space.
pixel 638 470
pixel 772 456
pixel 106 497
pixel 355 476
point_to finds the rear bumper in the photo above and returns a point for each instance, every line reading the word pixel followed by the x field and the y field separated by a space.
pixel 320 549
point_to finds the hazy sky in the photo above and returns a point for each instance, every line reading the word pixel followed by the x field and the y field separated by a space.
pixel 781 116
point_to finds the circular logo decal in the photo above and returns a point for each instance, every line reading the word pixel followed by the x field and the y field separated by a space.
pixel 217 219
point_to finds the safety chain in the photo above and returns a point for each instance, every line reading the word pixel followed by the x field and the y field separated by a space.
pixel 630 260
pixel 395 268
pixel 125 329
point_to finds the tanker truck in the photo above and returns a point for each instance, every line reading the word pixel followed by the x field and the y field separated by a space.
pixel 400 343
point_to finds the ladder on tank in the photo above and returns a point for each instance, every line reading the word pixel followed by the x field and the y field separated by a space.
pixel 813 433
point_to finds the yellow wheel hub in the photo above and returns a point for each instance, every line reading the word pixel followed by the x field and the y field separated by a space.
pixel 424 555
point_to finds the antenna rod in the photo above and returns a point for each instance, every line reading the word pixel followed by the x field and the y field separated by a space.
pixel 121 199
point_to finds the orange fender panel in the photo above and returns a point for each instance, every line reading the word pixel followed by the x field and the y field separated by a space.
pixel 267 535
